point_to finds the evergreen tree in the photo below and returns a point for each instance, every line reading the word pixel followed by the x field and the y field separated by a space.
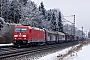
pixel 43 15
pixel 1 22
pixel 14 11
pixel 89 34
pixel 30 15
pixel 49 17
pixel 41 8
pixel 60 23
pixel 53 22
pixel 4 9
pixel 23 1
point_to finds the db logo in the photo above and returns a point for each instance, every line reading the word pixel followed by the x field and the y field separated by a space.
pixel 19 35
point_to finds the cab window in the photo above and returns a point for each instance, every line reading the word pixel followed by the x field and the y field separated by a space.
pixel 23 30
pixel 17 30
pixel 20 30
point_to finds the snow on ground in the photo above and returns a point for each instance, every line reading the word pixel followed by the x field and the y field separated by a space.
pixel 83 54
pixel 6 44
pixel 53 56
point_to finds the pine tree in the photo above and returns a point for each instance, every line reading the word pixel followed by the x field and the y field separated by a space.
pixel 53 22
pixel 1 22
pixel 14 15
pixel 49 17
pixel 41 8
pixel 23 1
pixel 89 34
pixel 30 15
pixel 60 23
pixel 4 9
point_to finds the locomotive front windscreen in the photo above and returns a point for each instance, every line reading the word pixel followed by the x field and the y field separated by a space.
pixel 20 30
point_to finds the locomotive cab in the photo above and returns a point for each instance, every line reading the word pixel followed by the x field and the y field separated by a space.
pixel 20 35
pixel 24 35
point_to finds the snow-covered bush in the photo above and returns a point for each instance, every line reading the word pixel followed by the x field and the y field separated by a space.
pixel 7 32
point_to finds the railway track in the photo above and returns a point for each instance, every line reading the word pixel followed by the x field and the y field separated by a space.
pixel 11 52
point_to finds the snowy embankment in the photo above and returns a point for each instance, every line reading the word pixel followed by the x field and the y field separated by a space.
pixel 59 55
pixel 6 44
pixel 83 54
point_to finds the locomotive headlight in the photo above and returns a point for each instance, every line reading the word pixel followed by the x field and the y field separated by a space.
pixel 15 38
pixel 24 35
pixel 15 35
pixel 25 38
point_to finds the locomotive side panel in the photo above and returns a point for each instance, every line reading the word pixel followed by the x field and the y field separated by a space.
pixel 37 36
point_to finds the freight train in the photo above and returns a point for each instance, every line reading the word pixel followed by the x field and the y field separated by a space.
pixel 24 35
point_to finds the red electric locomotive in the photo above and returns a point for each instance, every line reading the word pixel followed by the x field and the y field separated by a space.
pixel 26 34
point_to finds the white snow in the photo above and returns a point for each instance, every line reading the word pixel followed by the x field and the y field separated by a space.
pixel 53 56
pixel 6 44
pixel 84 54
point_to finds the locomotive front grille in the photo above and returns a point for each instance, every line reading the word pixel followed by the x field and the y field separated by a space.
pixel 20 42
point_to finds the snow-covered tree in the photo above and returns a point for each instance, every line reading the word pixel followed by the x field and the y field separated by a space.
pixel 1 22
pixel 30 15
pixel 89 34
pixel 60 25
pixel 68 29
pixel 4 9
pixel 54 16
pixel 14 15
pixel 44 16
pixel 26 12
pixel 23 1
pixel 41 8
pixel 7 32
pixel 53 22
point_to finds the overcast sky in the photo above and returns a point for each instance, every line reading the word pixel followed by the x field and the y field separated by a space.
pixel 81 9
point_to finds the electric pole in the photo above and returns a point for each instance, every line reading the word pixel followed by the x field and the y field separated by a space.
pixel 74 26
pixel 82 31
